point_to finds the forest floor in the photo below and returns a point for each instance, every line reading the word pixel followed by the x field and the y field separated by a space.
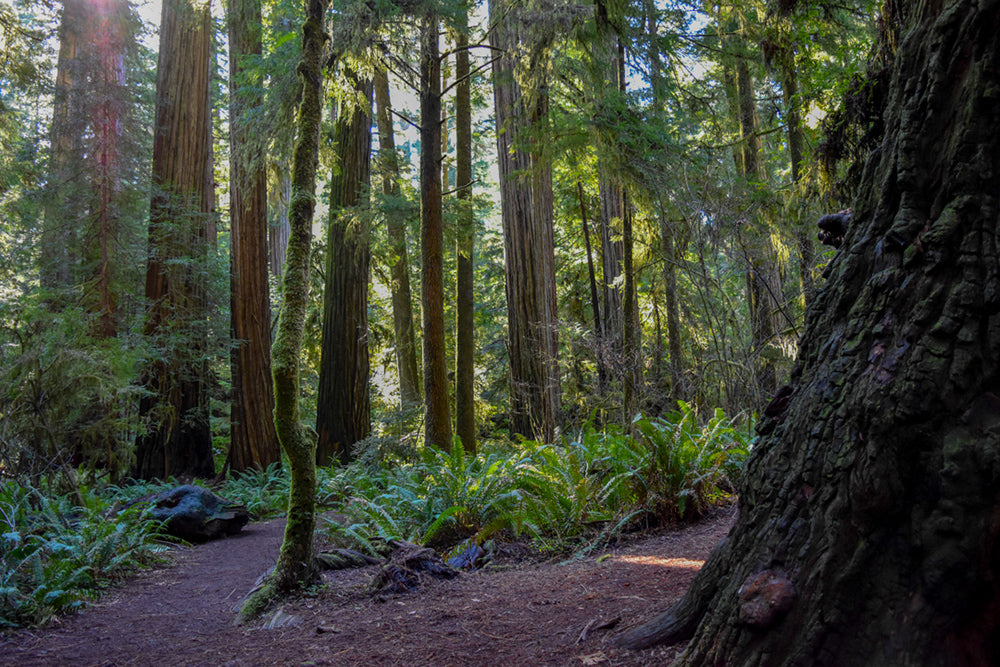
pixel 517 612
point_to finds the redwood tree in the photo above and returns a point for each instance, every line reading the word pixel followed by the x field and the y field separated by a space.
pixel 437 424
pixel 867 532
pixel 395 220
pixel 254 441
pixel 343 410
pixel 526 199
pixel 179 439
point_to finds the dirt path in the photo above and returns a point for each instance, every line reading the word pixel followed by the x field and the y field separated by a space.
pixel 539 614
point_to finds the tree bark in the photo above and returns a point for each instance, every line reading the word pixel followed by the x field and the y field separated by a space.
pixel 295 568
pixel 526 200
pixel 595 302
pixel 873 498
pixel 465 396
pixel 395 215
pixel 179 439
pixel 108 37
pixel 437 420
pixel 62 219
pixel 254 442
pixel 343 410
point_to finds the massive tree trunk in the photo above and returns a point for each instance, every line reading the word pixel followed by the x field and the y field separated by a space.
pixel 343 410
pixel 526 198
pixel 179 439
pixel 108 38
pixel 465 397
pixel 395 217
pixel 871 505
pixel 254 442
pixel 437 420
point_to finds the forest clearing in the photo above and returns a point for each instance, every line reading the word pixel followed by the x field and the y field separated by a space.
pixel 377 291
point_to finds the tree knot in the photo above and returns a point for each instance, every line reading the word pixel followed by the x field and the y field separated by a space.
pixel 764 597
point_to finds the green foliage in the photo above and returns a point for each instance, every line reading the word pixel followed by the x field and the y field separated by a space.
pixel 263 492
pixel 67 398
pixel 566 496
pixel 55 555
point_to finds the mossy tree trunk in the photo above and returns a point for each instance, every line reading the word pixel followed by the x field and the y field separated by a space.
pixel 871 505
pixel 296 567
pixel 343 410
pixel 465 396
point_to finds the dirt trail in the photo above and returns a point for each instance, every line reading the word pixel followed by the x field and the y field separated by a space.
pixel 537 614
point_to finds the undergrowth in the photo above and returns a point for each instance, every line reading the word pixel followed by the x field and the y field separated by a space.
pixel 566 497
pixel 56 554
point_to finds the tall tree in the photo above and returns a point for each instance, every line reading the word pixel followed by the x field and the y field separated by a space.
pixel 526 200
pixel 609 68
pixel 437 422
pixel 668 228
pixel 179 439
pixel 108 38
pixel 465 403
pixel 62 217
pixel 395 215
pixel 254 441
pixel 343 410
pixel 296 568
pixel 881 475
pixel 762 275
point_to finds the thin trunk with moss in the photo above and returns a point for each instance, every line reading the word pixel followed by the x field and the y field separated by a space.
pixel 296 568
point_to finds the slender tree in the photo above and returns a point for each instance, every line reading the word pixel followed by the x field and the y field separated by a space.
pixel 296 567
pixel 343 410
pixel 395 215
pixel 254 442
pixel 179 439
pixel 437 422
pixel 867 525
pixel 465 404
